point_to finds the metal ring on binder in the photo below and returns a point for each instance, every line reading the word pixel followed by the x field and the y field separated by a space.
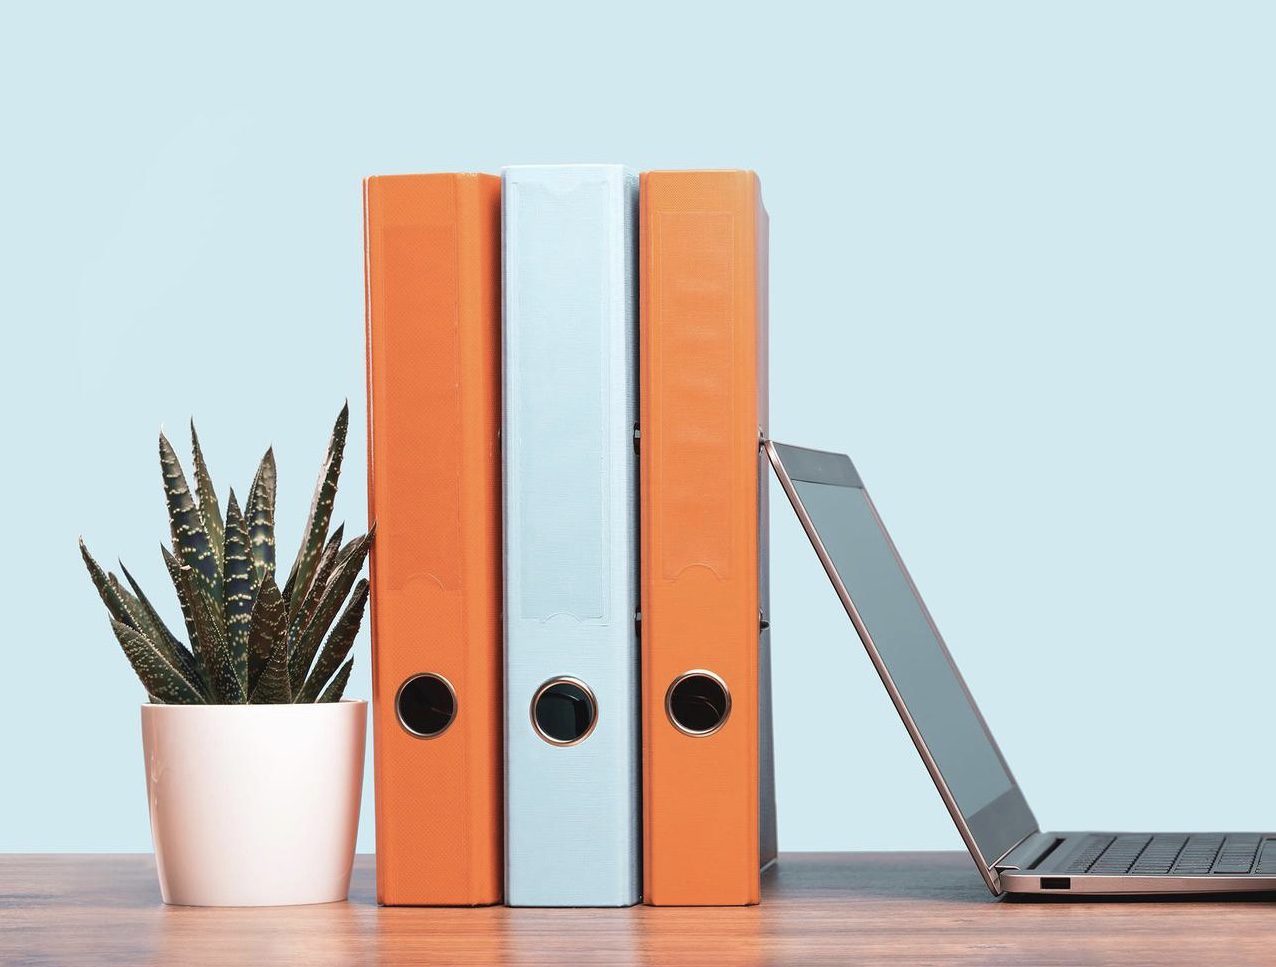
pixel 412 685
pixel 687 679
pixel 588 695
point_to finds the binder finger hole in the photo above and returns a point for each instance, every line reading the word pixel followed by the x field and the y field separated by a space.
pixel 564 711
pixel 698 703
pixel 426 705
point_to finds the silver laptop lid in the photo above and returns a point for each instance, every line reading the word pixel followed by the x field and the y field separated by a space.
pixel 907 650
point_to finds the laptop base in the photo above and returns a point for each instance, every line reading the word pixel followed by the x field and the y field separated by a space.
pixel 1139 864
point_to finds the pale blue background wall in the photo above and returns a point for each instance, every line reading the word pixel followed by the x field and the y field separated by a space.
pixel 1022 269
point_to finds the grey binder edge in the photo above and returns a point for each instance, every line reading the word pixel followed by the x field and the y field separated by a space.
pixel 768 835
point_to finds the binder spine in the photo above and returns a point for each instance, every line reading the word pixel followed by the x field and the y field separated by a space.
pixel 704 585
pixel 432 264
pixel 570 511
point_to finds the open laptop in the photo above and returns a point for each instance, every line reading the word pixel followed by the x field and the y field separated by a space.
pixel 1012 853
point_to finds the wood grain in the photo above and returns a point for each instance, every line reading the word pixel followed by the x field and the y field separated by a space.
pixel 818 908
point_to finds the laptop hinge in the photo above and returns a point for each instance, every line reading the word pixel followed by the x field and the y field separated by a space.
pixel 1025 853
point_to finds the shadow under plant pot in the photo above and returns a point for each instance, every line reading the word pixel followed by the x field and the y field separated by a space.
pixel 254 805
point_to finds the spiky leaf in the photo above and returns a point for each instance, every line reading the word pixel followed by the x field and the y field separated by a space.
pixel 316 531
pixel 136 619
pixel 158 630
pixel 304 646
pixel 268 625
pixel 109 594
pixel 237 589
pixel 209 510
pixel 337 688
pixel 273 687
pixel 183 599
pixel 260 514
pixel 305 611
pixel 337 646
pixel 161 679
pixel 140 616
pixel 211 647
pixel 190 540
pixel 149 623
pixel 324 570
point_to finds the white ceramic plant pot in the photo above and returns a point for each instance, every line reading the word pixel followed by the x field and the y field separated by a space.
pixel 254 805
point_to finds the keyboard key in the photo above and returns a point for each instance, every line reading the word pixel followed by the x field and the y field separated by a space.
pixel 1089 852
pixel 1267 859
pixel 1120 856
pixel 1237 855
pixel 1160 855
pixel 1198 855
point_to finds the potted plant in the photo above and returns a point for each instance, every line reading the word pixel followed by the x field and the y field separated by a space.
pixel 254 764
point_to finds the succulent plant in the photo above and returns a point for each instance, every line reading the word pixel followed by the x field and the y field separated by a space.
pixel 250 640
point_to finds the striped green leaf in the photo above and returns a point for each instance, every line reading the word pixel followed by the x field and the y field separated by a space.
pixel 298 620
pixel 211 647
pixel 132 607
pixel 337 688
pixel 157 630
pixel 190 540
pixel 316 530
pixel 268 625
pixel 334 593
pixel 260 514
pixel 141 617
pixel 162 680
pixel 337 646
pixel 334 544
pixel 357 545
pixel 183 599
pixel 209 510
pixel 149 623
pixel 237 588
pixel 273 687
pixel 106 591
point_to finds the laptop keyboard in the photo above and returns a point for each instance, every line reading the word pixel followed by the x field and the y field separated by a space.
pixel 1176 854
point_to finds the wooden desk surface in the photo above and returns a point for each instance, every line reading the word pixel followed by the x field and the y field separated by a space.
pixel 835 908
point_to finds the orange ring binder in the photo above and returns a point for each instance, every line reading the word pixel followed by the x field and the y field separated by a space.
pixel 708 812
pixel 433 304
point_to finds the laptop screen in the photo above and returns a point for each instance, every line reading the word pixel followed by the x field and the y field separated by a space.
pixel 907 645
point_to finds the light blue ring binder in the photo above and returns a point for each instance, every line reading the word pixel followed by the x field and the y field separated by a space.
pixel 572 810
